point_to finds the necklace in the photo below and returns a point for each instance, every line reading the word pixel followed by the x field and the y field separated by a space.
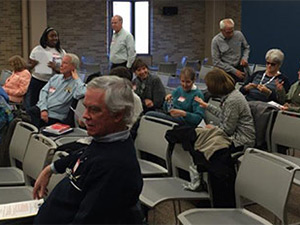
pixel 269 81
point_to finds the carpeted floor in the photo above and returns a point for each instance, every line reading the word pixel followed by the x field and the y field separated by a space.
pixel 164 212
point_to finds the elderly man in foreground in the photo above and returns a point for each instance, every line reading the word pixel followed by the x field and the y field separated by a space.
pixel 57 95
pixel 104 180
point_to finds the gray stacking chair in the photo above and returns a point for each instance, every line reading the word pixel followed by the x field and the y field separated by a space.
pixel 10 176
pixel 167 68
pixel 56 178
pixel 259 67
pixel 263 178
pixel 39 153
pixel 210 118
pixel 285 133
pixel 157 190
pixel 204 70
pixel 150 139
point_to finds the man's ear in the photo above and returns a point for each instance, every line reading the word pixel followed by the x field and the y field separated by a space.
pixel 118 117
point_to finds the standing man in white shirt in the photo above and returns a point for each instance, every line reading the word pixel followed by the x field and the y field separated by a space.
pixel 122 47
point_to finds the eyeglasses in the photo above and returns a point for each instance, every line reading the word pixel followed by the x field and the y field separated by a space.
pixel 270 63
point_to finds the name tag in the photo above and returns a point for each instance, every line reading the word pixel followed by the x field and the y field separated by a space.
pixel 181 99
pixel 52 90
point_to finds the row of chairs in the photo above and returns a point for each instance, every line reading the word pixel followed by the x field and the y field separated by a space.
pixel 30 152
pixel 150 139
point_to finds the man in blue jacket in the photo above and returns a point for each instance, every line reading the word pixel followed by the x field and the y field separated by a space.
pixel 103 181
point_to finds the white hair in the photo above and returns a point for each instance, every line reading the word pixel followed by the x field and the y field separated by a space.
pixel 228 22
pixel 118 95
pixel 275 55
pixel 74 59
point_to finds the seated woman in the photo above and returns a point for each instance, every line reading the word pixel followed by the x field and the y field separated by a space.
pixel 180 105
pixel 261 86
pixel 17 84
pixel 235 115
pixel 290 100
pixel 148 87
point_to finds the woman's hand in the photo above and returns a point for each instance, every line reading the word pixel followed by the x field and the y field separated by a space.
pixel 279 85
pixel 177 113
pixel 148 103
pixel 262 88
pixel 168 97
pixel 250 86
pixel 202 103
pixel 53 66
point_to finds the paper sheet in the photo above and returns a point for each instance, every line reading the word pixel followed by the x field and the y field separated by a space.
pixel 42 66
pixel 19 209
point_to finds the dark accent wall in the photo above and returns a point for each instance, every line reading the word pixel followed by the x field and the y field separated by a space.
pixel 273 24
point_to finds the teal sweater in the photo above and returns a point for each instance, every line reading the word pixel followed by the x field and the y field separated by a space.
pixel 185 101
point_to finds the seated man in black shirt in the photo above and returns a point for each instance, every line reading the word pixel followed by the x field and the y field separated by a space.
pixel 104 180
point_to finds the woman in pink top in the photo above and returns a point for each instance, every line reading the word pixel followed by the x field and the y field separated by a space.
pixel 17 84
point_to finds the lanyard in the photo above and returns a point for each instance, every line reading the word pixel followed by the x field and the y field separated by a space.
pixel 263 77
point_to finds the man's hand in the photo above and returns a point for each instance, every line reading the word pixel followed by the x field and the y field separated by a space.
pixel 148 103
pixel 74 74
pixel 40 186
pixel 240 74
pixel 177 113
pixel 202 103
pixel 44 116
pixel 243 63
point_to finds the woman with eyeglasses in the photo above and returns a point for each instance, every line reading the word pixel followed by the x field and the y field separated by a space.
pixel 261 86
pixel 148 87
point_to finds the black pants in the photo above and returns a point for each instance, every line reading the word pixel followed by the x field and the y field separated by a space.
pixel 35 114
pixel 221 173
pixel 113 65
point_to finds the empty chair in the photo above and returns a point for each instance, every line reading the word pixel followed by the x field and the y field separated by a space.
pixel 182 62
pixel 13 175
pixel 151 140
pixel 210 118
pixel 39 153
pixel 167 68
pixel 4 75
pixel 157 190
pixel 204 70
pixel 259 67
pixel 195 64
pixel 263 178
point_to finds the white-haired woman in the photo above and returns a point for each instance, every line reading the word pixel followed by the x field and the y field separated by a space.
pixel 261 86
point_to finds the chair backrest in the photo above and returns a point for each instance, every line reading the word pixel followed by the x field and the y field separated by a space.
pixel 39 153
pixel 195 64
pixel 180 159
pixel 251 67
pixel 4 75
pixel 286 130
pixel 164 79
pixel 151 137
pixel 210 118
pixel 167 68
pixel 19 141
pixel 56 178
pixel 204 70
pixel 259 67
pixel 266 179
